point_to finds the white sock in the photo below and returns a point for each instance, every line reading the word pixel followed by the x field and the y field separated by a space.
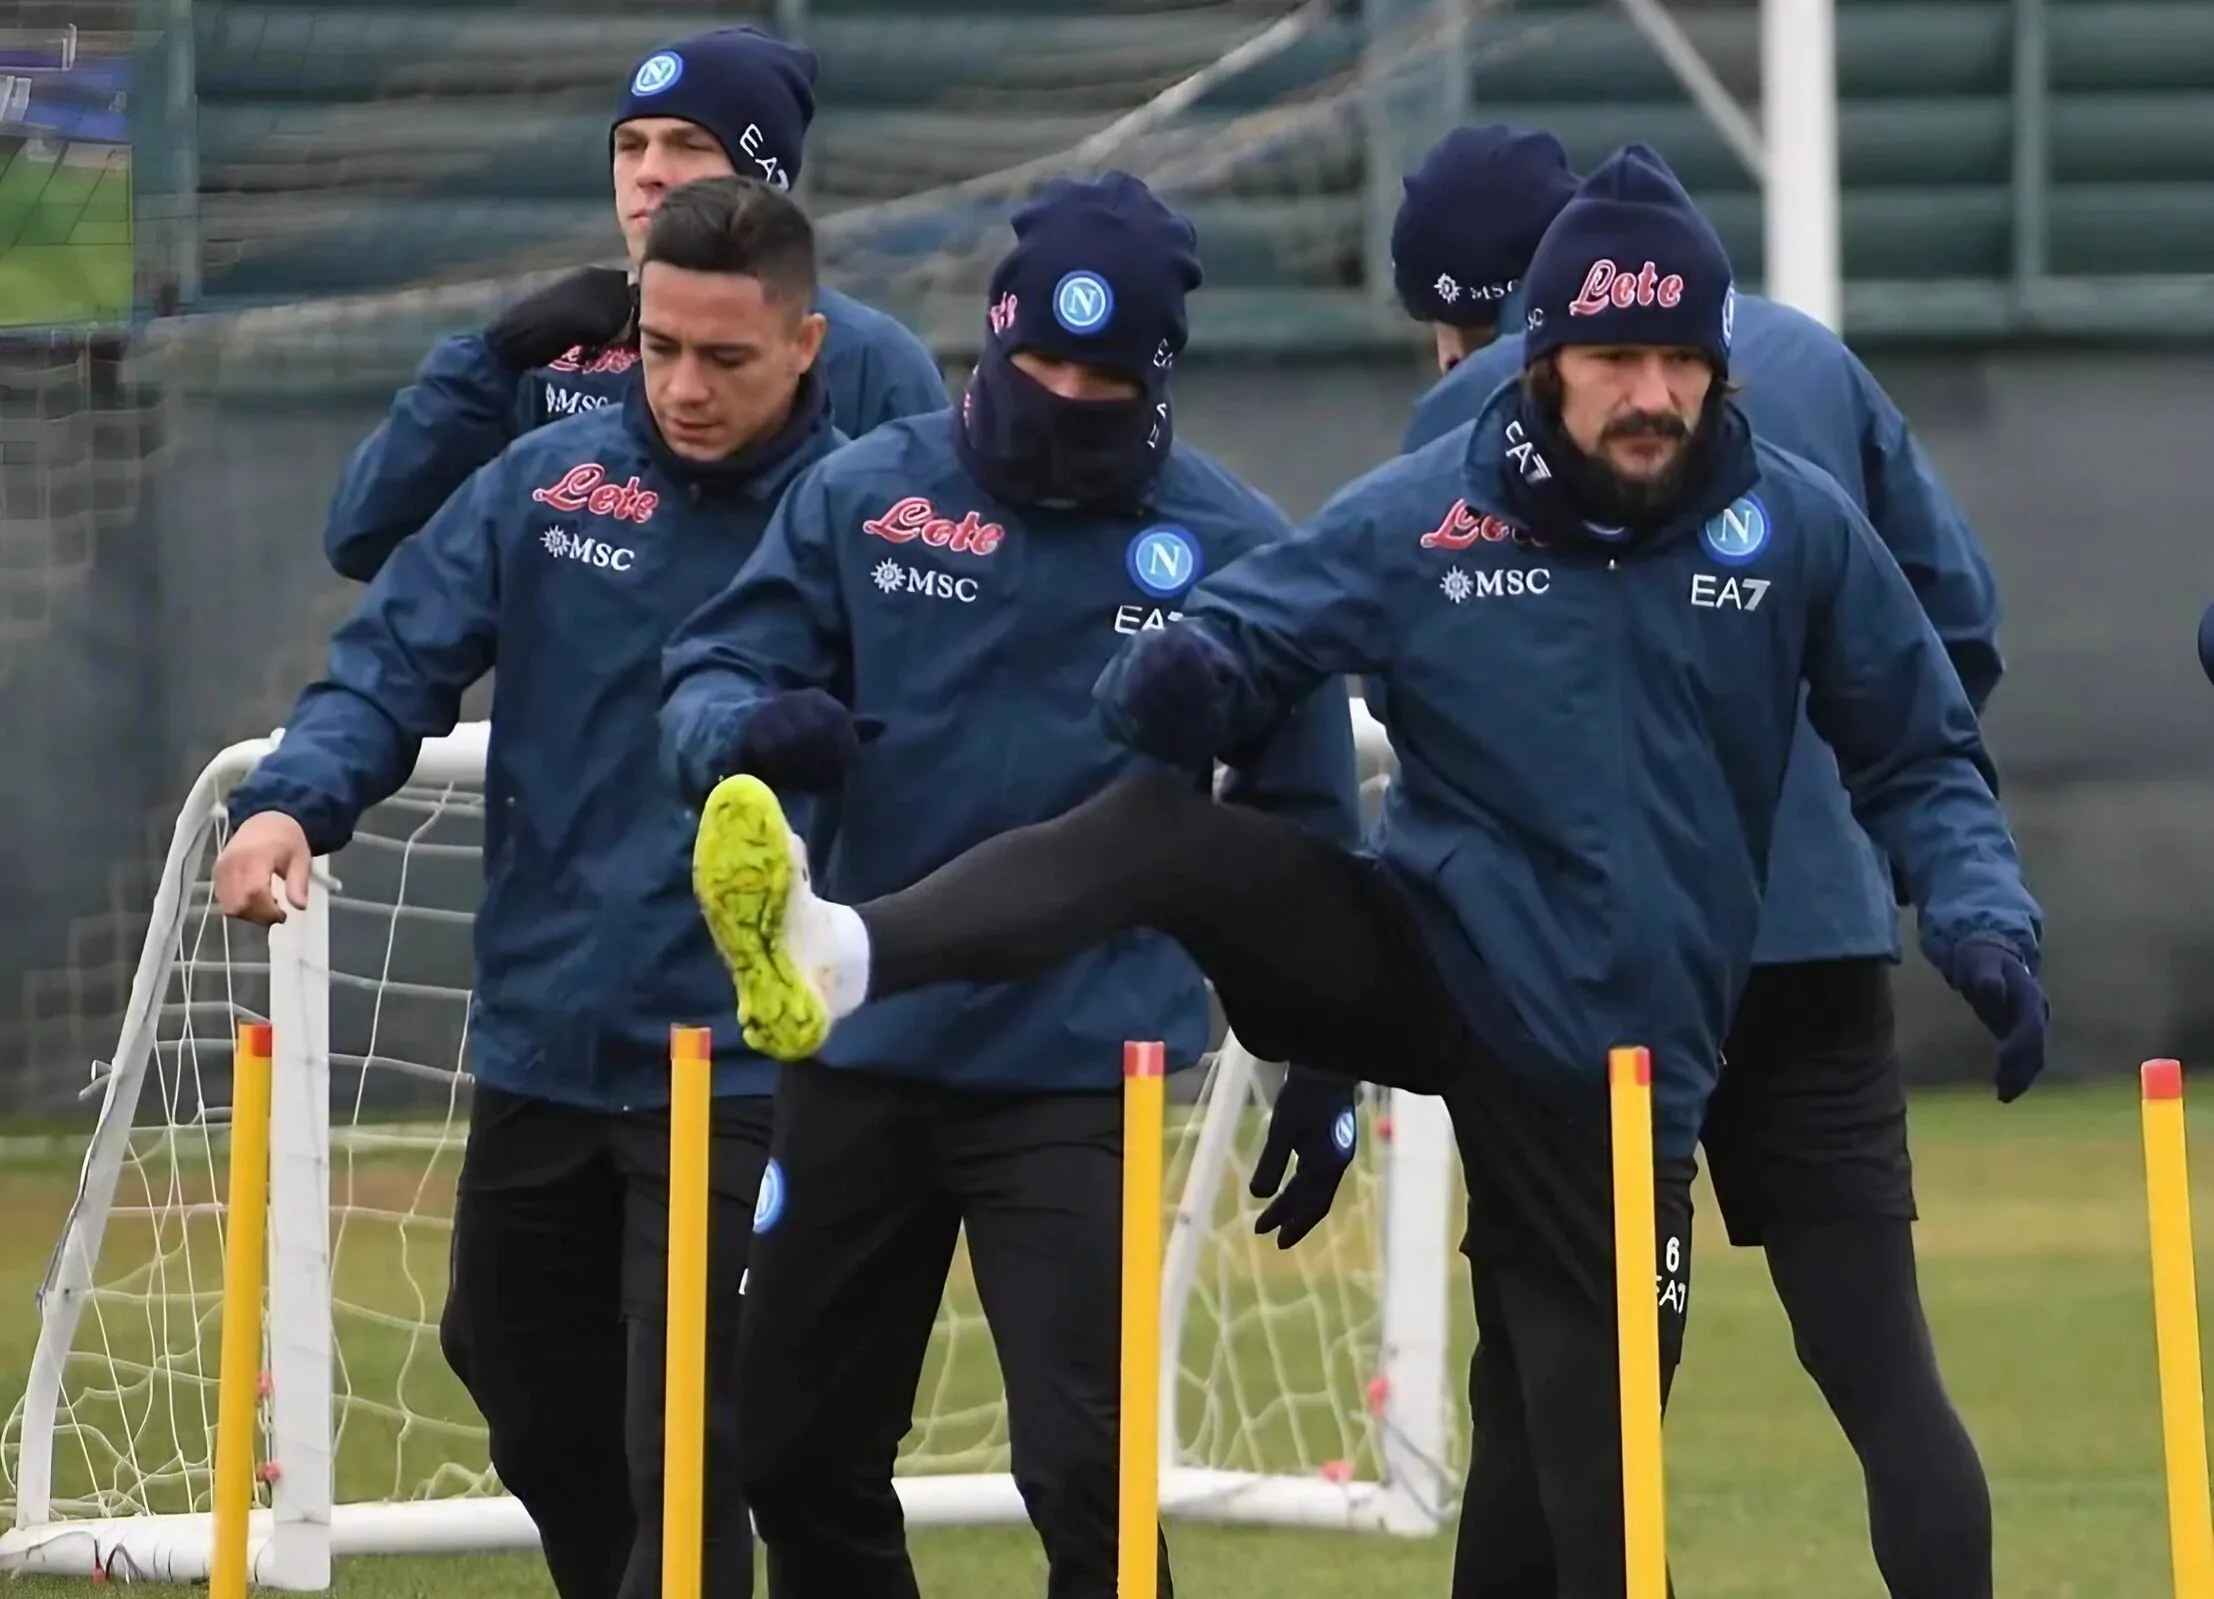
pixel 845 947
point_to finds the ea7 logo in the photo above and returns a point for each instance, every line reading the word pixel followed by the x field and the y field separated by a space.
pixel 1712 593
pixel 891 577
pixel 914 517
pixel 1144 618
pixel 586 488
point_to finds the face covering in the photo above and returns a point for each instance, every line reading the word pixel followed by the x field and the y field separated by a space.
pixel 1029 446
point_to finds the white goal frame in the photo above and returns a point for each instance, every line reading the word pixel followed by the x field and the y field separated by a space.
pixel 293 1540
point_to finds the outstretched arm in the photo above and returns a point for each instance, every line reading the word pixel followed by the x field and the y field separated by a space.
pixel 399 665
pixel 779 631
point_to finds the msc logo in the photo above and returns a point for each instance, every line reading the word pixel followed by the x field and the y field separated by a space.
pixel 1463 527
pixel 1144 618
pixel 573 402
pixel 657 73
pixel 586 488
pixel 1163 561
pixel 1607 287
pixel 564 545
pixel 1460 587
pixel 1082 302
pixel 1711 593
pixel 891 577
pixel 916 518
pixel 1739 534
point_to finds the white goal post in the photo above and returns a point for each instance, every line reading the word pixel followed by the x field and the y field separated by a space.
pixel 1306 1387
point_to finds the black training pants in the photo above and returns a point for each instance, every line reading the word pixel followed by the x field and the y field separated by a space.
pixel 877 1177
pixel 554 1323
pixel 1316 957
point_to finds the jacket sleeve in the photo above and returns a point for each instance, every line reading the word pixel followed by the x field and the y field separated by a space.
pixel 1303 769
pixel 458 414
pixel 1290 615
pixel 1884 698
pixel 1928 535
pixel 901 379
pixel 422 634
pixel 1434 417
pixel 781 625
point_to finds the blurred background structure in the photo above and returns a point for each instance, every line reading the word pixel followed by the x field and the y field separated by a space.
pixel 2024 217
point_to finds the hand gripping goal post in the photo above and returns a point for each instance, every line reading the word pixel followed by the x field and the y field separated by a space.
pixel 1303 1387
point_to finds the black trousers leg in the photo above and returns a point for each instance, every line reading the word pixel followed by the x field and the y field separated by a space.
pixel 1040 1183
pixel 842 1291
pixel 1309 950
pixel 1856 1318
pixel 533 1327
pixel 738 1152
pixel 1503 1550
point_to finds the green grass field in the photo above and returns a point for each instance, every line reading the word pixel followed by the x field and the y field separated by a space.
pixel 2035 1270
pixel 65 233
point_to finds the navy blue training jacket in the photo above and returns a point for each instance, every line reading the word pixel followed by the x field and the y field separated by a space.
pixel 1830 891
pixel 465 406
pixel 1592 742
pixel 566 562
pixel 976 631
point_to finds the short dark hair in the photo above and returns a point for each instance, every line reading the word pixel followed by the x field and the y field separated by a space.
pixel 739 226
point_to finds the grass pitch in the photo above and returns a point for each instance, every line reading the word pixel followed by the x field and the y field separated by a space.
pixel 65 233
pixel 2035 1270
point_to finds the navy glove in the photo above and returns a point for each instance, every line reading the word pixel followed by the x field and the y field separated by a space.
pixel 803 740
pixel 2206 642
pixel 2000 988
pixel 588 310
pixel 1315 1119
pixel 1176 694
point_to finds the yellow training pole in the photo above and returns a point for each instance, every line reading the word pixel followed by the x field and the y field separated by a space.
pixel 1138 1561
pixel 1637 1323
pixel 245 1266
pixel 2176 1328
pixel 684 1397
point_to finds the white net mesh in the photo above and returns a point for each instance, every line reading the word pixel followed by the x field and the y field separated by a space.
pixel 1277 1364
pixel 370 181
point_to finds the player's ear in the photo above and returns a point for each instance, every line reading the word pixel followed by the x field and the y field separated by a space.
pixel 810 338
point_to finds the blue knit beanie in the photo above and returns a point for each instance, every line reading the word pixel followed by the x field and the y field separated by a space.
pixel 1098 274
pixel 755 93
pixel 1631 260
pixel 1470 218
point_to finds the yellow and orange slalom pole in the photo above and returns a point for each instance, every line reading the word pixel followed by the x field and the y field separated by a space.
pixel 1144 1086
pixel 684 1397
pixel 2176 1328
pixel 1637 1324
pixel 245 1271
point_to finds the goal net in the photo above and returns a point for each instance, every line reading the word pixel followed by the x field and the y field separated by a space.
pixel 1302 1387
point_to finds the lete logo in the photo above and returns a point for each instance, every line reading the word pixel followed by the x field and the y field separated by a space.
pixel 586 488
pixel 1463 527
pixel 1608 287
pixel 916 518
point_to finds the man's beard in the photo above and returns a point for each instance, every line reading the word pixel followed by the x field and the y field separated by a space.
pixel 1614 498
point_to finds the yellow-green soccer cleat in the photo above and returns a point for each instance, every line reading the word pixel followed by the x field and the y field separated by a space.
pixel 748 870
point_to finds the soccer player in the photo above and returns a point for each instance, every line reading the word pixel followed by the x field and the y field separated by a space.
pixel 961 580
pixel 1595 611
pixel 1806 1137
pixel 731 100
pixel 566 562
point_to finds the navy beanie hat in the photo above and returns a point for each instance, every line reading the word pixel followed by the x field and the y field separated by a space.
pixel 1631 261
pixel 1098 274
pixel 755 93
pixel 1470 218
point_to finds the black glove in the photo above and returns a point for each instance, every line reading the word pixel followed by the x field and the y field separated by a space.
pixel 2006 998
pixel 803 741
pixel 1314 1118
pixel 587 310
